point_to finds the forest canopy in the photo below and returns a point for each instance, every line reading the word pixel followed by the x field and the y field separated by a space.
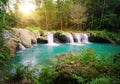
pixel 61 14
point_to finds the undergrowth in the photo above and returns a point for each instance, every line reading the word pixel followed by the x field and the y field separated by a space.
pixel 86 68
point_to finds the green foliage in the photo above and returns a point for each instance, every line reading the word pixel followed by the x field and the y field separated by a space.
pixel 104 37
pixel 33 27
pixel 89 68
pixel 101 80
pixel 4 55
pixel 114 36
pixel 4 58
pixel 63 14
pixel 86 68
pixel 60 37
pixel 31 74
pixel 77 15
pixel 102 14
pixel 47 75
pixel 22 72
pixel 78 79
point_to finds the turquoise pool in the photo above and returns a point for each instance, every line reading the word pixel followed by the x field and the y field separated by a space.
pixel 42 53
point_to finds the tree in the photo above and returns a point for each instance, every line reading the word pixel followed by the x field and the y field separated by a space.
pixel 47 14
pixel 100 11
pixel 77 15
pixel 63 10
pixel 3 7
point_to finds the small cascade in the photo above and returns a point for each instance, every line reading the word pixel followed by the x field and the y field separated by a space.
pixel 85 38
pixel 69 35
pixel 78 37
pixel 51 39
pixel 21 47
pixel 81 38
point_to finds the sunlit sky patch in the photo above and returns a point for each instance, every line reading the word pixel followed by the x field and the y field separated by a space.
pixel 27 6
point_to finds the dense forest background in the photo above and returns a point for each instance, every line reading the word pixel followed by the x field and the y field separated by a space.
pixel 63 15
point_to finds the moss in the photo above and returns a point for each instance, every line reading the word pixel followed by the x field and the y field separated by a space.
pixel 31 28
pixel 60 37
pixel 104 37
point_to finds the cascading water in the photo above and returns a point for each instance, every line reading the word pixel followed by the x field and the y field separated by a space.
pixel 50 38
pixel 78 37
pixel 81 38
pixel 85 38
pixel 69 35
pixel 21 47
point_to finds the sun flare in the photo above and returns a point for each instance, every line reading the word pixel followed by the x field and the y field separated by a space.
pixel 27 7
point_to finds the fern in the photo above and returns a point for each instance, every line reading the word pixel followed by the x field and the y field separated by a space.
pixel 101 80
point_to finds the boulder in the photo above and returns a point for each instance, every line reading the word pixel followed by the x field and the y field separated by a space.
pixel 60 38
pixel 20 47
pixel 9 42
pixel 36 34
pixel 26 37
pixel 14 36
pixel 11 45
pixel 42 40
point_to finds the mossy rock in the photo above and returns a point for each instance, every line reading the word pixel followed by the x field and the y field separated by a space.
pixel 59 37
pixel 100 37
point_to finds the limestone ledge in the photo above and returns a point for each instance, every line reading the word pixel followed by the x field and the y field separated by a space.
pixel 14 36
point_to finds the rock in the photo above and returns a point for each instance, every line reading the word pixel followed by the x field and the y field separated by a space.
pixel 74 37
pixel 6 34
pixel 9 42
pixel 20 47
pixel 11 45
pixel 72 62
pixel 26 37
pixel 61 56
pixel 60 38
pixel 42 41
pixel 72 54
pixel 33 38
pixel 36 34
pixel 14 36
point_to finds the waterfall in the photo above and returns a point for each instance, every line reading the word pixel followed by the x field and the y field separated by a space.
pixel 85 38
pixel 50 38
pixel 21 47
pixel 69 35
pixel 78 37
pixel 81 38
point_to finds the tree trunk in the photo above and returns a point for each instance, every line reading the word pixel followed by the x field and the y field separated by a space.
pixel 102 13
pixel 61 23
pixel 46 17
pixel 60 14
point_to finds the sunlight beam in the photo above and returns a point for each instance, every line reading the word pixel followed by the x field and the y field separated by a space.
pixel 26 7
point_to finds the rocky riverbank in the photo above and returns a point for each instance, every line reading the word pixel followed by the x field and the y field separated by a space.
pixel 18 39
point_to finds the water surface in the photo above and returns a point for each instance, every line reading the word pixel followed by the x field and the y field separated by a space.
pixel 42 53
